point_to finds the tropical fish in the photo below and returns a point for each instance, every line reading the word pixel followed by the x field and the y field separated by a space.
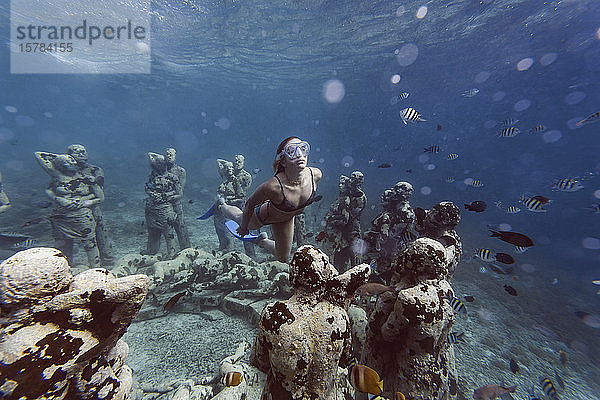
pixel 543 199
pixel 500 270
pixel 539 128
pixel 514 366
pixel 456 304
pixel 455 337
pixel 384 165
pixel 321 235
pixel 491 392
pixel 484 254
pixel 509 121
pixel 470 299
pixel 191 201
pixel 567 185
pixel 514 238
pixel 233 378
pixel 511 131
pixel 403 95
pixel 511 290
pixel 25 244
pixel 452 156
pixel 504 258
pixel 410 114
pixel 591 320
pixel 476 206
pixel 595 208
pixel 513 210
pixel 172 301
pixel 589 119
pixel 32 222
pixel 364 379
pixel 532 204
pixel 520 250
pixel 547 331
pixel 450 179
pixel 432 149
pixel 470 93
pixel 548 388
pixel 476 183
pixel 408 236
pixel 439 127
pixel 373 289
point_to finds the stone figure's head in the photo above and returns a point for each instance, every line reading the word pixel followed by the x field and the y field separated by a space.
pixel 291 152
pixel 443 216
pixel 357 179
pixel 343 184
pixel 64 163
pixel 310 269
pixel 423 259
pixel 238 162
pixel 228 170
pixel 403 191
pixel 170 155
pixel 157 162
pixel 78 152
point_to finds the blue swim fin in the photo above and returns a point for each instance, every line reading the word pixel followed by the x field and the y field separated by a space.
pixel 209 213
pixel 232 227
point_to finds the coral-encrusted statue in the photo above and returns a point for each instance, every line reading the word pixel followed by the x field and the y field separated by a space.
pixel 407 332
pixel 302 341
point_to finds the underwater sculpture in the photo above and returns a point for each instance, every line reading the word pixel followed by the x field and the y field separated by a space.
pixel 94 174
pixel 162 189
pixel 407 332
pixel 236 182
pixel 301 233
pixel 391 229
pixel 4 202
pixel 302 341
pixel 74 196
pixel 183 236
pixel 61 333
pixel 343 219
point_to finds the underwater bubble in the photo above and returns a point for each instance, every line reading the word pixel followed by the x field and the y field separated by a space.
pixel 468 181
pixel 394 100
pixel 482 77
pixel 505 227
pixel 525 64
pixel 347 161
pixel 425 190
pixel 48 114
pixel 400 10
pixel 375 132
pixel 490 123
pixel 591 243
pixel 11 109
pixel 548 59
pixel 423 158
pixel 223 123
pixel 142 48
pixel 316 122
pixel 15 165
pixel 204 131
pixel 318 149
pixel 574 97
pixel 333 91
pixel 527 158
pixel 422 12
pixel 522 105
pixel 551 136
pixel 24 121
pixel 597 194
pixel 121 204
pixel 6 135
pixel 498 96
pixel 395 79
pixel 572 123
pixel 359 246
pixel 530 269
pixel 321 160
pixel 429 167
pixel 407 54
pixel 203 114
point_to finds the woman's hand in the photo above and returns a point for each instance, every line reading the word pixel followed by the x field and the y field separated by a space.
pixel 242 231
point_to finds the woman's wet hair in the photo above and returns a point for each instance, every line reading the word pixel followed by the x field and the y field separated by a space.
pixel 277 164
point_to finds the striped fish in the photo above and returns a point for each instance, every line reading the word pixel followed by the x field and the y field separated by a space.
pixel 364 379
pixel 538 129
pixel 485 254
pixel 455 337
pixel 510 121
pixel 511 131
pixel 567 185
pixel 410 114
pixel 590 118
pixel 403 95
pixel 532 204
pixel 25 244
pixel 595 208
pixel 548 388
pixel 470 93
pixel 452 156
pixel 450 179
pixel 457 305
pixel 520 250
pixel 513 210
pixel 233 378
pixel 408 236
pixel 476 183
pixel 432 149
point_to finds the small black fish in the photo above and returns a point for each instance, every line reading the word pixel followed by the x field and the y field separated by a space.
pixel 142 223
pixel 439 127
pixel 318 197
pixel 384 165
pixel 470 299
pixel 409 171
pixel 517 239
pixel 511 290
pixel 542 199
pixel 214 253
pixel 172 301
pixel 514 367
pixel 447 241
pixel 505 258
pixel 191 201
pixel 476 206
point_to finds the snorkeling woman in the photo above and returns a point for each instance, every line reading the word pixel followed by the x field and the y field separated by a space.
pixel 277 201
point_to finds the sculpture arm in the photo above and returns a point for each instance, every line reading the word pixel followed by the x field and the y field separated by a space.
pixel 45 160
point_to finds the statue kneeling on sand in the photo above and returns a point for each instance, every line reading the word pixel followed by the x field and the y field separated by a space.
pixel 302 341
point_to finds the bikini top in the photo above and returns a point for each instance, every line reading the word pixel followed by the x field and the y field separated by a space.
pixel 285 204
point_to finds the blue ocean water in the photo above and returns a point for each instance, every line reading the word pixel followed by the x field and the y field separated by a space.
pixel 233 77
